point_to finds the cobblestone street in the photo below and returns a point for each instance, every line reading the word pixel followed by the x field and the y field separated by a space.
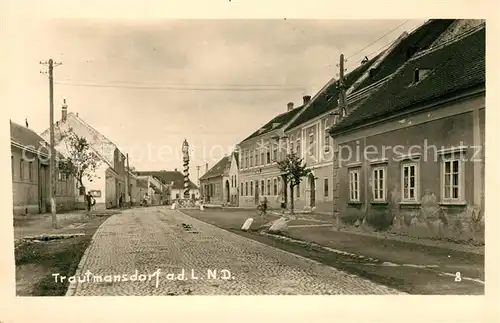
pixel 145 240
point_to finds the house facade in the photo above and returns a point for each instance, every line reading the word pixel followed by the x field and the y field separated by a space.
pixel 234 187
pixel 421 138
pixel 172 184
pixel 30 164
pixel 111 175
pixel 259 175
pixel 215 183
pixel 307 136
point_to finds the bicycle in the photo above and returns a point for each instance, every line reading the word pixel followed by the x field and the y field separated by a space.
pixel 262 210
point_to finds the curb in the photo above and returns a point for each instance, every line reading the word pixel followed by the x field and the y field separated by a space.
pixel 72 288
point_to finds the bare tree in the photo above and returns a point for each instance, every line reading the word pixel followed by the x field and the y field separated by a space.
pixel 294 169
pixel 81 161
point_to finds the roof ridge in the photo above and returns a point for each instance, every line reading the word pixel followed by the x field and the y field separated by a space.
pixel 93 129
pixel 469 32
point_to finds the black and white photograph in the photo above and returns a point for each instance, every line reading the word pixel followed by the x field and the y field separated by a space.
pixel 210 157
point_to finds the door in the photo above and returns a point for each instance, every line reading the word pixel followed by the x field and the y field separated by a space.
pixel 312 183
pixel 256 192
pixel 43 187
pixel 228 192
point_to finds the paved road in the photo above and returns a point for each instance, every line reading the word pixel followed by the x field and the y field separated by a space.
pixel 154 238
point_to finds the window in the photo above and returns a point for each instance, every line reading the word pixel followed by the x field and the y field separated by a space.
pixel 291 145
pixel 246 188
pixel 21 169
pixel 262 188
pixel 251 188
pixel 298 148
pixel 246 160
pixel 268 187
pixel 256 155
pixel 409 182
pixel 275 187
pixel 354 185
pixel 311 142
pixel 268 159
pixel 241 188
pixel 251 158
pixel 378 184
pixel 325 187
pixel 275 152
pixel 452 184
pixel 59 176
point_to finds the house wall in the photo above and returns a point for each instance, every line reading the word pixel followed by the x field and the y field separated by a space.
pixel 31 185
pixel 176 193
pixel 215 194
pixel 111 193
pixel 233 183
pixel 460 123
pixel 318 155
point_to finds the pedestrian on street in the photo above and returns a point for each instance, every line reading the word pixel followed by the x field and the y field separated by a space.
pixel 90 202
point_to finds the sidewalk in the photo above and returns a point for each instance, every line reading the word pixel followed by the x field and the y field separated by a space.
pixel 68 222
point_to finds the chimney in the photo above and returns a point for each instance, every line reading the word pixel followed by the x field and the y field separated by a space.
pixel 306 98
pixel 289 106
pixel 175 169
pixel 206 168
pixel 64 111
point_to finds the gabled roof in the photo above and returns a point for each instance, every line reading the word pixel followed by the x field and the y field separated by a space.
pixel 100 144
pixel 142 182
pixel 219 169
pixel 280 120
pixel 328 98
pixel 454 66
pixel 29 138
pixel 167 177
pixel 420 39
pixel 237 158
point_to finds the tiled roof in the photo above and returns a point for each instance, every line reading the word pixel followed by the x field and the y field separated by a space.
pixel 167 177
pixel 218 169
pixel 28 138
pixel 420 39
pixel 143 183
pixel 100 144
pixel 277 122
pixel 326 100
pixel 454 66
pixel 237 158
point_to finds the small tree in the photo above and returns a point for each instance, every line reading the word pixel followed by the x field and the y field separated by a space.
pixel 81 161
pixel 294 170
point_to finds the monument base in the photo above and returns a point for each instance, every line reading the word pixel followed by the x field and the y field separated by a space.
pixel 185 204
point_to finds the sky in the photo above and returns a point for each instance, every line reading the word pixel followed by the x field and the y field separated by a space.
pixel 149 84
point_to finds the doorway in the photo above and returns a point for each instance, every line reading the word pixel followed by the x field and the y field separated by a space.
pixel 43 187
pixel 228 193
pixel 257 192
pixel 312 185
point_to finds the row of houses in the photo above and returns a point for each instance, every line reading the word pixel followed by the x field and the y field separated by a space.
pixel 425 90
pixel 113 180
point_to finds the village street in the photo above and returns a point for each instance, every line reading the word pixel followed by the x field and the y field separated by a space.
pixel 152 239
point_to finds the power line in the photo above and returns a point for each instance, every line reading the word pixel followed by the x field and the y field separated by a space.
pixel 174 88
pixel 383 36
pixel 378 50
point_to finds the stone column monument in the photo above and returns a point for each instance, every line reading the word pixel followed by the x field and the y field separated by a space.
pixel 185 158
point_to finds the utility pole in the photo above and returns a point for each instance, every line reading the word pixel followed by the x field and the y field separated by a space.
pixel 342 94
pixel 52 167
pixel 128 184
pixel 343 111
